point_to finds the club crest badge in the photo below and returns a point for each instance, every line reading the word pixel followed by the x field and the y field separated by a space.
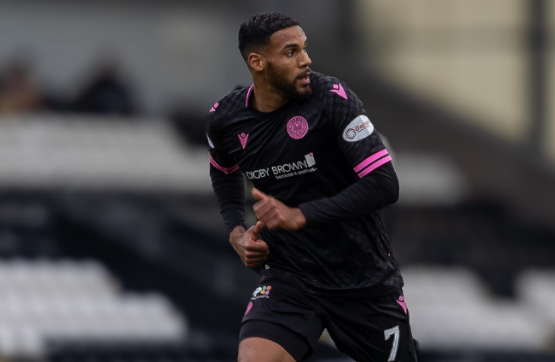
pixel 297 127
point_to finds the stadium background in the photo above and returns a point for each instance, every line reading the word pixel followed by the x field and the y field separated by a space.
pixel 111 245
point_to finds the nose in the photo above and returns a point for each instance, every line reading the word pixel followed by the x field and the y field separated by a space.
pixel 305 61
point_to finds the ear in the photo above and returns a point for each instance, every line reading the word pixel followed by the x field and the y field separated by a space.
pixel 256 62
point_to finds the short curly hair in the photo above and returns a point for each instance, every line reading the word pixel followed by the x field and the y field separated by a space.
pixel 258 29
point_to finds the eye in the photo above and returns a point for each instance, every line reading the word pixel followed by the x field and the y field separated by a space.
pixel 290 53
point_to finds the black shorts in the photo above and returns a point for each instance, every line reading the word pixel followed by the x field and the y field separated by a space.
pixel 375 329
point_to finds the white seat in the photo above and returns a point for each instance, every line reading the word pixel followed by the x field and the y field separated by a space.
pixel 74 299
pixel 451 309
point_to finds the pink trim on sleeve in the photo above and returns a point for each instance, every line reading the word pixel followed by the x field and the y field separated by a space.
pixel 371 159
pixel 226 170
pixel 374 166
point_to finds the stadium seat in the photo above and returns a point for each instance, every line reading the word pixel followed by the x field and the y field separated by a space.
pixel 76 300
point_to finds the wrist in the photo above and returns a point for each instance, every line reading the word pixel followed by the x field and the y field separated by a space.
pixel 308 213
pixel 238 229
pixel 298 216
pixel 233 225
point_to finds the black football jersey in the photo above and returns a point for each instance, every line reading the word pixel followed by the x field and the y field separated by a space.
pixel 305 151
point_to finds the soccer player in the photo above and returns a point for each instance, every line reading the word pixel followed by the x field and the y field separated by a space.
pixel 321 174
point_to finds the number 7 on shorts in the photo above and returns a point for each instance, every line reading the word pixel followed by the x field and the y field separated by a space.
pixel 387 334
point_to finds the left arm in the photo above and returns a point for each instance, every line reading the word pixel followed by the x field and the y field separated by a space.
pixel 369 194
pixel 362 146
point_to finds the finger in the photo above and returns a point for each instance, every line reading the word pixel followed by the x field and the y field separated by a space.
pixel 252 265
pixel 255 257
pixel 257 245
pixel 250 255
pixel 263 207
pixel 274 223
pixel 258 206
pixel 258 228
pixel 266 211
pixel 256 253
pixel 255 230
pixel 259 195
pixel 255 261
pixel 270 218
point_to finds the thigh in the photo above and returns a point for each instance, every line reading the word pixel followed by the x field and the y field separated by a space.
pixel 281 313
pixel 271 343
pixel 376 329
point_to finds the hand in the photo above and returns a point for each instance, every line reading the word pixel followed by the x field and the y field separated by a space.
pixel 273 213
pixel 251 250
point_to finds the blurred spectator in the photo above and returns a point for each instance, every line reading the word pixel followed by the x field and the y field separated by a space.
pixel 18 93
pixel 106 93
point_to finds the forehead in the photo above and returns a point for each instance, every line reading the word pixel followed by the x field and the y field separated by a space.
pixel 283 37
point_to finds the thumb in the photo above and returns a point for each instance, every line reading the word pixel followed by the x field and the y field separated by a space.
pixel 256 229
pixel 258 195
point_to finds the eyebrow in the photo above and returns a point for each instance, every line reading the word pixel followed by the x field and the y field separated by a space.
pixel 294 45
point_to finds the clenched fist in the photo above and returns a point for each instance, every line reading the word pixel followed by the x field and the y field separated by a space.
pixel 248 246
pixel 275 214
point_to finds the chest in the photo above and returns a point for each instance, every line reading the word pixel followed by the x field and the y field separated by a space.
pixel 289 137
pixel 293 156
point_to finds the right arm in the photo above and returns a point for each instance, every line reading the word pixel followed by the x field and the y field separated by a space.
pixel 229 188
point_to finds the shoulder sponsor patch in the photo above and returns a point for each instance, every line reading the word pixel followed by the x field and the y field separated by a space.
pixel 357 129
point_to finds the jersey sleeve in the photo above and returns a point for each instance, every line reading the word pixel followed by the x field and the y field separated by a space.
pixel 356 136
pixel 219 159
pixel 227 181
pixel 363 148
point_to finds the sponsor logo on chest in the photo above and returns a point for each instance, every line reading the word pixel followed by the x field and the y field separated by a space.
pixel 285 170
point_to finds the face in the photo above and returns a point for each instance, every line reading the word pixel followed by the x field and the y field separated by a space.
pixel 288 63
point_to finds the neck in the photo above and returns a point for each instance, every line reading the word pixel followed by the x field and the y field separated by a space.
pixel 267 98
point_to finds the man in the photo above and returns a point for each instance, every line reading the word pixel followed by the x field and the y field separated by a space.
pixel 320 173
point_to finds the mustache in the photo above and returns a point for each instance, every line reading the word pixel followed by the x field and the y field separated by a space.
pixel 304 74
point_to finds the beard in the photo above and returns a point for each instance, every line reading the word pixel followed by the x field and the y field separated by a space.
pixel 288 88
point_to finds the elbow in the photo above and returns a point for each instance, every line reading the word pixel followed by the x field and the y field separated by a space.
pixel 389 184
pixel 393 191
pixel 395 194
